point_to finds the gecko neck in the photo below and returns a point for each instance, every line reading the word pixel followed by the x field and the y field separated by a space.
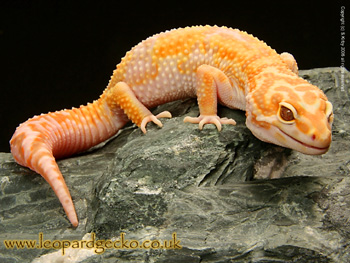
pixel 267 77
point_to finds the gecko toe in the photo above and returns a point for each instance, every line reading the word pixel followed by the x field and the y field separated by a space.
pixel 154 119
pixel 164 114
pixel 213 119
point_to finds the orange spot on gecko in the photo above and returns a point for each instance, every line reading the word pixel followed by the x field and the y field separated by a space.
pixel 274 103
pixel 262 124
pixel 176 43
pixel 289 93
pixel 309 97
pixel 304 88
pixel 315 121
pixel 303 127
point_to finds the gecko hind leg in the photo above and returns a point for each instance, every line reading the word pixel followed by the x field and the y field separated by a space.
pixel 122 96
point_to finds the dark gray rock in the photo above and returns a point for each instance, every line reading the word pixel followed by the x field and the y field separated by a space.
pixel 216 191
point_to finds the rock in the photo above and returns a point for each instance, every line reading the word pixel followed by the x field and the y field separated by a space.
pixel 221 197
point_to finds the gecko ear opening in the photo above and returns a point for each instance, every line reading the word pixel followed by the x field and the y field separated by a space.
pixel 286 113
pixel 329 112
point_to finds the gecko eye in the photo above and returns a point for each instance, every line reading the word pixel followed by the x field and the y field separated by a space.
pixel 286 113
pixel 329 112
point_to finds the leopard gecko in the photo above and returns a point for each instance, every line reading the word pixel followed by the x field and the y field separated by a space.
pixel 214 64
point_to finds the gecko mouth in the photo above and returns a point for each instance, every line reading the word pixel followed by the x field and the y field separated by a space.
pixel 304 144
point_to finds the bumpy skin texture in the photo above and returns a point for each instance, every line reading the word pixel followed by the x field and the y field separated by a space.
pixel 214 64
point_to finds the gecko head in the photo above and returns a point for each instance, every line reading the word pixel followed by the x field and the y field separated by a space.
pixel 298 117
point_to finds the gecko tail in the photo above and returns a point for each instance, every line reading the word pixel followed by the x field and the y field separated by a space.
pixel 41 160
pixel 37 143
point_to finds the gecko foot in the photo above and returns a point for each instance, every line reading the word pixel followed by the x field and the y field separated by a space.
pixel 154 119
pixel 214 119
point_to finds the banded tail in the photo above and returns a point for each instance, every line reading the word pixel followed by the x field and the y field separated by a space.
pixel 38 141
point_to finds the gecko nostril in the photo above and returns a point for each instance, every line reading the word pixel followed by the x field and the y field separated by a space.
pixel 313 137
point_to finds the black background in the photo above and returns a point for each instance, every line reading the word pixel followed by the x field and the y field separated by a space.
pixel 60 54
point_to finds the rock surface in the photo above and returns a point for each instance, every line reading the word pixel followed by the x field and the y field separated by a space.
pixel 217 191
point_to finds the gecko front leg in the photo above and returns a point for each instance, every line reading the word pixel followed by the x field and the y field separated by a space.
pixel 211 82
pixel 122 96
